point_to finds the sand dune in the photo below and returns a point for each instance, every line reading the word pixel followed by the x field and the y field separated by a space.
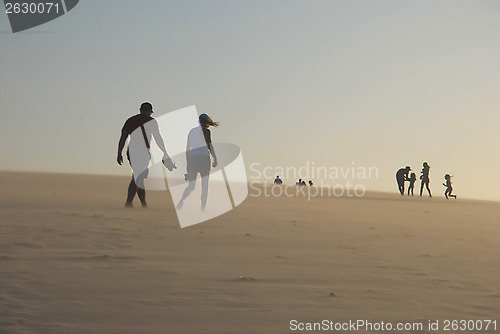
pixel 73 260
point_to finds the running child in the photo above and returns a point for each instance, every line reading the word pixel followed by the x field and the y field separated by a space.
pixel 448 186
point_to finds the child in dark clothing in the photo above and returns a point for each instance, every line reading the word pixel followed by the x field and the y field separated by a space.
pixel 412 180
pixel 448 186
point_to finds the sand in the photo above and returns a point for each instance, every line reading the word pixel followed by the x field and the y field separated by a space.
pixel 73 260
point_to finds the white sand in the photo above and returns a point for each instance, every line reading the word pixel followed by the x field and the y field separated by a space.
pixel 73 260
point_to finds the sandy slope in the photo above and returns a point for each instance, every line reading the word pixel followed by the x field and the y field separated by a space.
pixel 72 260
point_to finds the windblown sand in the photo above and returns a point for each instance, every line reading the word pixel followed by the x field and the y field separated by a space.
pixel 73 260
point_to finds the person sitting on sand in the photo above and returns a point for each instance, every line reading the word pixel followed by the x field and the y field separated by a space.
pixel 412 180
pixel 310 183
pixel 299 182
pixel 448 186
pixel 277 180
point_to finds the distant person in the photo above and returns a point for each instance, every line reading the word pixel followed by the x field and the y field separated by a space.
pixel 448 186
pixel 198 150
pixel 299 183
pixel 303 183
pixel 425 179
pixel 401 177
pixel 412 180
pixel 138 153
pixel 277 180
pixel 310 183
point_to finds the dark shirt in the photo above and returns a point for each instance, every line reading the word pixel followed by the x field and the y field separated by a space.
pixel 402 174
pixel 134 122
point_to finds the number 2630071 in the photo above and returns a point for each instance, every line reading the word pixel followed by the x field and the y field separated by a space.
pixel 31 8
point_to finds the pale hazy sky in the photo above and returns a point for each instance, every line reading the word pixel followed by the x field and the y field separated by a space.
pixel 377 83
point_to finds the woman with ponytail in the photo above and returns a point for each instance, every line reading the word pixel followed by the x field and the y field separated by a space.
pixel 198 150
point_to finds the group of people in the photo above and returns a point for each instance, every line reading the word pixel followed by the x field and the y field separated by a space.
pixel 403 175
pixel 300 182
pixel 198 154
pixel 198 151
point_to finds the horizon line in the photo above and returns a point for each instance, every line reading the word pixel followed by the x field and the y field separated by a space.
pixel 2 171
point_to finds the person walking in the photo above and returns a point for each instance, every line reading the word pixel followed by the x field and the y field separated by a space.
pixel 141 128
pixel 198 150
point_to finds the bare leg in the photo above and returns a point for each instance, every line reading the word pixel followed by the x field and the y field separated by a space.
pixel 204 191
pixel 141 191
pixel 185 194
pixel 451 190
pixel 428 189
pixel 132 190
pixel 401 186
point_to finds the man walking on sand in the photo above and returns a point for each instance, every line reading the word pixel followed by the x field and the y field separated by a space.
pixel 141 128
